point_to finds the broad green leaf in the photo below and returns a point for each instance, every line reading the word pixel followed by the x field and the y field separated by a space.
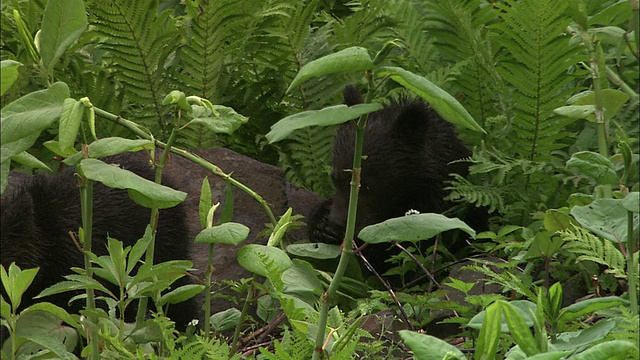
pixel 257 258
pixel 609 350
pixel 427 347
pixel 108 147
pixel 9 73
pixel 552 355
pixel 487 342
pixel 225 320
pixel 631 202
pixel 331 115
pixel 544 245
pixel 226 121
pixel 301 281
pixel 518 329
pixel 412 228
pixel 315 250
pixel 441 101
pixel 350 59
pixel 70 119
pixel 556 220
pixel 32 113
pixel 576 111
pixel 56 310
pixel 144 192
pixel 593 333
pixel 62 23
pixel 177 97
pixel 56 147
pixel 595 166
pixel 29 160
pixel 228 233
pixel 613 100
pixel 606 218
pixel 12 149
pixel 45 340
pixel 525 308
pixel 180 294
pixel 576 310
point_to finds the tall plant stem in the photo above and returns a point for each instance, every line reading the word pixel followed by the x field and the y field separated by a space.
pixel 631 269
pixel 86 201
pixel 194 158
pixel 155 213
pixel 327 298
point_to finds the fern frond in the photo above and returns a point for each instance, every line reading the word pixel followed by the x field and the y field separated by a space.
pixel 506 279
pixel 463 190
pixel 461 33
pixel 536 59
pixel 592 248
pixel 139 41
pixel 219 30
pixel 306 158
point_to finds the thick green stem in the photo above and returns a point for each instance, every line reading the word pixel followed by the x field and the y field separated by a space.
pixel 86 201
pixel 631 269
pixel 194 158
pixel 207 292
pixel 155 213
pixel 327 297
pixel 243 315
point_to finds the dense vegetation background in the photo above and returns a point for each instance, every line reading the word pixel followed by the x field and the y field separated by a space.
pixel 553 83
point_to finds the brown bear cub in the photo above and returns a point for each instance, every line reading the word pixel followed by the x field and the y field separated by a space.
pixel 38 214
pixel 409 152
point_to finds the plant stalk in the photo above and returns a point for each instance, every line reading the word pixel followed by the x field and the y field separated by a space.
pixel 86 201
pixel 631 269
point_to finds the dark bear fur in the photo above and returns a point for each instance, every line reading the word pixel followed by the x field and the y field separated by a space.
pixel 408 153
pixel 37 216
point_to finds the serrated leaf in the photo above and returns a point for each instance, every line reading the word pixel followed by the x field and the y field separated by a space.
pixel 142 191
pixel 228 233
pixel 331 115
pixel 350 59
pixel 441 101
pixel 62 23
pixel 412 228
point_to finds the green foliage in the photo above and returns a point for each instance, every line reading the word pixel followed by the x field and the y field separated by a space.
pixel 140 41
pixel 589 247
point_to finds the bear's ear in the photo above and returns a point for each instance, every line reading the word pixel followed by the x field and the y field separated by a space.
pixel 414 117
pixel 352 96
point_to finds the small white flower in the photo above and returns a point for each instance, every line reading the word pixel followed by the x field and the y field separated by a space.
pixel 193 322
pixel 411 212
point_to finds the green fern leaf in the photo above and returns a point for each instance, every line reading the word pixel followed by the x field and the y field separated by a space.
pixel 592 248
pixel 536 58
pixel 139 41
